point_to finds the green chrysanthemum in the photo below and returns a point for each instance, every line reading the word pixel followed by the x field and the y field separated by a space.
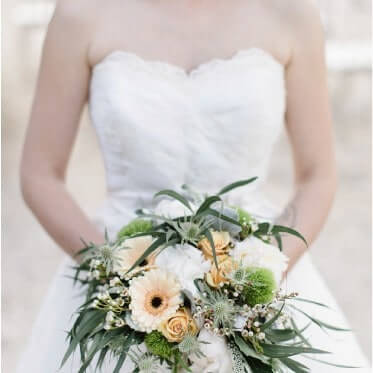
pixel 260 287
pixel 134 227
pixel 158 345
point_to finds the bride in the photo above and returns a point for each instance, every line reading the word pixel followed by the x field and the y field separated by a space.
pixel 180 91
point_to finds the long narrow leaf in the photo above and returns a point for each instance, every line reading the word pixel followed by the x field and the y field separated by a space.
pixel 281 335
pixel 207 203
pixel 82 330
pixel 221 216
pixel 295 366
pixel 154 246
pixel 142 214
pixel 125 348
pixel 211 241
pixel 300 332
pixel 332 364
pixel 281 229
pixel 101 358
pixel 247 350
pixel 273 320
pixel 174 195
pixel 278 351
pixel 235 185
pixel 120 362
pixel 95 347
pixel 278 240
pixel 319 323
pixel 310 301
pixel 258 366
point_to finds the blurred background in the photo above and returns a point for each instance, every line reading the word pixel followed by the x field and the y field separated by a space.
pixel 342 252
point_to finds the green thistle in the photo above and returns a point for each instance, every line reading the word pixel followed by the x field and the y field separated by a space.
pixel 190 346
pixel 158 345
pixel 145 362
pixel 260 286
pixel 118 344
pixel 239 276
pixel 190 230
pixel 107 255
pixel 222 309
pixel 134 227
pixel 148 364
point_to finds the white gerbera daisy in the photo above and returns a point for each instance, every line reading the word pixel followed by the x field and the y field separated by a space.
pixel 155 297
pixel 186 262
pixel 131 250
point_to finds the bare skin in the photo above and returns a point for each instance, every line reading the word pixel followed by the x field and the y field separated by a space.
pixel 185 33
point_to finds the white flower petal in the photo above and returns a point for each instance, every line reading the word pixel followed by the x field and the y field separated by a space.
pixel 217 357
pixel 253 252
pixel 186 262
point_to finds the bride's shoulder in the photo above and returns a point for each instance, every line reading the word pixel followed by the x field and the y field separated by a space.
pixel 299 15
pixel 302 21
pixel 77 12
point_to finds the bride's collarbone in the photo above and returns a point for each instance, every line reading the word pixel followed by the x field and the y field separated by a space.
pixel 187 47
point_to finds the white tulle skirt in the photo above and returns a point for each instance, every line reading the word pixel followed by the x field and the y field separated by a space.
pixel 48 340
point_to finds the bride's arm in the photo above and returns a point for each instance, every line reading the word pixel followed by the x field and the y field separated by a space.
pixel 309 127
pixel 61 93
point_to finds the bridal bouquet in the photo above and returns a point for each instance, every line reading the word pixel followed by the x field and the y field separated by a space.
pixel 191 286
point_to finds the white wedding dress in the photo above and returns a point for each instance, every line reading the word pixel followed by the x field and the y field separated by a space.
pixel 161 127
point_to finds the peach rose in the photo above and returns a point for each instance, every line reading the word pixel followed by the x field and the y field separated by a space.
pixel 178 325
pixel 218 276
pixel 221 243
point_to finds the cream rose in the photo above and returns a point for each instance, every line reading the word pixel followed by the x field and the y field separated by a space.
pixel 221 243
pixel 178 325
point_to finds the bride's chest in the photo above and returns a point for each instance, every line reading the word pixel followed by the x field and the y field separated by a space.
pixel 223 102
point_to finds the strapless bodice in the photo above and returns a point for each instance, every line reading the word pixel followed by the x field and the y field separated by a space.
pixel 160 127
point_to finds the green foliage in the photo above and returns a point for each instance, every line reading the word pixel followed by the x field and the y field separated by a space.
pixel 243 216
pixel 269 355
pixel 158 345
pixel 134 227
pixel 260 287
pixel 236 184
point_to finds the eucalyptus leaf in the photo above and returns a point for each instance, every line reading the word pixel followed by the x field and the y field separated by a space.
pixel 294 365
pixel 219 215
pixel 174 195
pixel 222 225
pixel 258 366
pixel 281 229
pixel 319 323
pixel 297 299
pixel 279 351
pixel 207 203
pixel 247 350
pixel 87 324
pixel 332 364
pixel 270 322
pixel 235 185
pixel 300 332
pixel 280 335
pixel 212 244
pixel 154 246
